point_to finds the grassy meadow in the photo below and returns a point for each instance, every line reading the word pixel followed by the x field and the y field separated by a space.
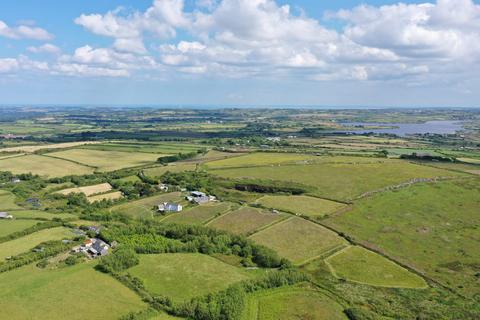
pixel 156 172
pixel 41 215
pixel 146 207
pixel 184 276
pixel 28 242
pixel 44 166
pixel 299 240
pixel 106 160
pixel 363 266
pixel 341 181
pixel 303 205
pixel 11 226
pixel 199 214
pixel 259 159
pixel 245 220
pixel 73 293
pixel 431 227
pixel 292 303
pixel 7 201
pixel 88 190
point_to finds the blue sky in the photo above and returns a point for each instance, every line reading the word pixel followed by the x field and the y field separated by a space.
pixel 240 52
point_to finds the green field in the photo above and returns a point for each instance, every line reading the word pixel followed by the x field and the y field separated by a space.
pixel 73 293
pixel 25 243
pixel 363 266
pixel 245 220
pixel 260 159
pixel 431 227
pixel 292 303
pixel 106 160
pixel 341 181
pixel 184 276
pixel 304 205
pixel 199 214
pixel 145 208
pixel 7 201
pixel 138 146
pixel 159 171
pixel 44 166
pixel 299 240
pixel 11 226
pixel 41 215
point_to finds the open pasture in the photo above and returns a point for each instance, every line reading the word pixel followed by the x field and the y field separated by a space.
pixel 184 276
pixel 157 172
pixel 11 226
pixel 106 160
pixel 89 190
pixel 199 214
pixel 145 147
pixel 299 240
pixel 342 181
pixel 292 303
pixel 44 166
pixel 431 227
pixel 115 195
pixel 33 148
pixel 363 266
pixel 41 215
pixel 245 220
pixel 25 243
pixel 259 159
pixel 304 205
pixel 7 201
pixel 144 208
pixel 73 293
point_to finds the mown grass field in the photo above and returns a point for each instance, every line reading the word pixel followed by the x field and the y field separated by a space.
pixel 146 147
pixel 341 181
pixel 259 159
pixel 73 293
pixel 115 195
pixel 298 240
pixel 304 205
pixel 33 148
pixel 434 228
pixel 44 166
pixel 28 242
pixel 159 171
pixel 106 160
pixel 7 201
pixel 199 214
pixel 144 208
pixel 11 226
pixel 245 220
pixel 363 266
pixel 292 303
pixel 41 215
pixel 184 276
pixel 88 190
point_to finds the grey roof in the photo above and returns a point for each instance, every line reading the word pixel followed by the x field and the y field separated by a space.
pixel 203 199
pixel 197 194
pixel 4 214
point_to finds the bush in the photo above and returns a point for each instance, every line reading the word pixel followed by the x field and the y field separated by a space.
pixel 122 259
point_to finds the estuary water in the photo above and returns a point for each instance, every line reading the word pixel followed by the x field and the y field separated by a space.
pixel 404 129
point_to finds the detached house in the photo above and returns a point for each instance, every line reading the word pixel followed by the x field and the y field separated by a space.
pixel 169 207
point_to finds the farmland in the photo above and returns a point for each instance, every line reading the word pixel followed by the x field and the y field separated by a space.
pixel 341 181
pixel 292 303
pixel 259 159
pixel 183 276
pixel 363 266
pixel 245 220
pixel 159 171
pixel 33 293
pixel 23 244
pixel 145 208
pixel 157 148
pixel 33 148
pixel 11 226
pixel 412 223
pixel 299 240
pixel 44 166
pixel 7 200
pixel 88 191
pixel 40 215
pixel 199 214
pixel 106 160
pixel 304 205
pixel 115 195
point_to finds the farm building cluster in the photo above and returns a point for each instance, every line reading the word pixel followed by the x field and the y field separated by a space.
pixel 93 248
pixel 199 197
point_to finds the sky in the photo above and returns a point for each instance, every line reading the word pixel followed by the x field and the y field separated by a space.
pixel 371 53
